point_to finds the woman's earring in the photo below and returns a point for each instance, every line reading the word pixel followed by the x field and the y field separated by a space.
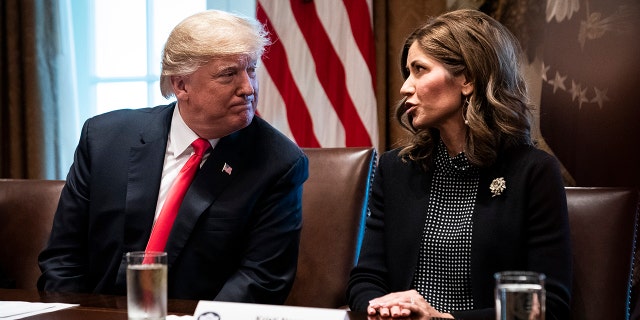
pixel 465 106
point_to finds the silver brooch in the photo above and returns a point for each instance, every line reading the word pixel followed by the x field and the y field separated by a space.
pixel 497 186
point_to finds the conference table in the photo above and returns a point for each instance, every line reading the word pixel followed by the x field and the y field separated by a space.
pixel 100 307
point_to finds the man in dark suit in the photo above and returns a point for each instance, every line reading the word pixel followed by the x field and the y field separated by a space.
pixel 236 234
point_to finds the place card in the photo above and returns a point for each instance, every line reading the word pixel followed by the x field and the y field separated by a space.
pixel 215 310
pixel 11 310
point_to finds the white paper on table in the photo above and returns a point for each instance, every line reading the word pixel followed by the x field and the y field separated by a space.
pixel 216 310
pixel 12 310
pixel 175 317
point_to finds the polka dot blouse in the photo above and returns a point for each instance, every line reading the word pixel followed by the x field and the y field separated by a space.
pixel 443 275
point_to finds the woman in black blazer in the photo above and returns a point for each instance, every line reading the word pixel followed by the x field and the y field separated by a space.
pixel 469 195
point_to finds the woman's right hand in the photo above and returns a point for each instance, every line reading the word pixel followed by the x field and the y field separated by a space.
pixel 405 304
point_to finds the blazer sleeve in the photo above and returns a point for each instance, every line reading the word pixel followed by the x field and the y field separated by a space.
pixel 548 245
pixel 368 279
pixel 63 262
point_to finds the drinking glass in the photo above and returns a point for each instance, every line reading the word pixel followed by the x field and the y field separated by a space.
pixel 520 295
pixel 146 285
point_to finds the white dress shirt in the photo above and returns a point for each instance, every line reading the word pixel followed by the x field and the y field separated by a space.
pixel 178 151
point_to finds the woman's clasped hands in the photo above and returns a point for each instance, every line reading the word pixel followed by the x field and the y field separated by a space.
pixel 406 304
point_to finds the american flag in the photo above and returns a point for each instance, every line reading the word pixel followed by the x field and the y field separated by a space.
pixel 227 168
pixel 318 77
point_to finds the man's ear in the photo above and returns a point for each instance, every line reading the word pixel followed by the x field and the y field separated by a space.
pixel 179 87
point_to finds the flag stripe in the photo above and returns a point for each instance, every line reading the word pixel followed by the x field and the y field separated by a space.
pixel 302 67
pixel 335 21
pixel 362 30
pixel 332 79
pixel 277 110
pixel 298 117
pixel 317 69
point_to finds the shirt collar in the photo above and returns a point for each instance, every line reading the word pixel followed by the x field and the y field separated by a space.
pixel 181 136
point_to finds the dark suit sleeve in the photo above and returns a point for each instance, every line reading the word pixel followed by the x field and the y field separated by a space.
pixel 548 244
pixel 63 262
pixel 369 278
pixel 269 264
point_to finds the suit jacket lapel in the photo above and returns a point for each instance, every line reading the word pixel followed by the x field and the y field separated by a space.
pixel 205 188
pixel 144 174
pixel 143 183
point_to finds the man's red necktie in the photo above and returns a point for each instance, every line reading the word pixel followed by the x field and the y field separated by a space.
pixel 163 224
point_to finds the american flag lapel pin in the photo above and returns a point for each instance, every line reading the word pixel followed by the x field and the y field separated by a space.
pixel 227 168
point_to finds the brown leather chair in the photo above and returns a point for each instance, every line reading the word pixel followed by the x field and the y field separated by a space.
pixel 27 208
pixel 334 202
pixel 333 211
pixel 603 225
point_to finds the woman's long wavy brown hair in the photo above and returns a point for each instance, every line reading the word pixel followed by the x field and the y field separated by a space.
pixel 470 42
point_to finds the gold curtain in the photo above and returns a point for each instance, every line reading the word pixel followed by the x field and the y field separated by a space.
pixel 27 39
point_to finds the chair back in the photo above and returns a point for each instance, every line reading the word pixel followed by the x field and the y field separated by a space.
pixel 27 208
pixel 334 204
pixel 334 201
pixel 603 225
